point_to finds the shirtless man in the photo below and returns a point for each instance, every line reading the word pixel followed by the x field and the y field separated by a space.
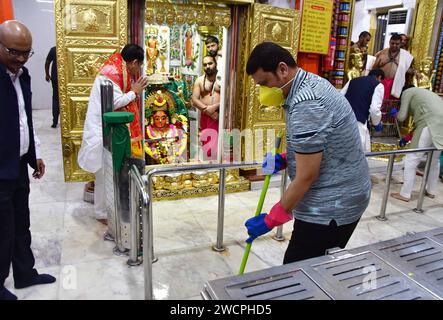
pixel 206 98
pixel 395 63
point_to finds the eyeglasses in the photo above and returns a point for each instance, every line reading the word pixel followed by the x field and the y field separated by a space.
pixel 18 53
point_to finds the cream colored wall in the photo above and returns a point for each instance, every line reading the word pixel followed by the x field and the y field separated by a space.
pixel 283 3
pixel 38 16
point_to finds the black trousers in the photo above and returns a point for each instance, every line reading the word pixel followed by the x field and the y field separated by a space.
pixel 55 103
pixel 15 236
pixel 311 240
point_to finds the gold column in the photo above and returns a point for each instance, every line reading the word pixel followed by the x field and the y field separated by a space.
pixel 425 12
pixel 87 33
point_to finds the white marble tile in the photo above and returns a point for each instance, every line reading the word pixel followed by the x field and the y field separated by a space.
pixel 82 244
pixel 46 246
pixel 106 279
pixel 53 172
pixel 192 267
pixel 48 192
pixel 268 250
pixel 74 191
pixel 79 214
pixel 233 256
pixel 46 218
pixel 372 231
pixel 174 235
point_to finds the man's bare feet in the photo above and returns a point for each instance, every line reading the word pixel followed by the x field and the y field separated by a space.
pixel 103 221
pixel 398 196
pixel 429 195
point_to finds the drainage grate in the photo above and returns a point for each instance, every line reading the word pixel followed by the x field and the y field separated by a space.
pixel 365 276
pixel 435 234
pixel 418 257
pixel 268 284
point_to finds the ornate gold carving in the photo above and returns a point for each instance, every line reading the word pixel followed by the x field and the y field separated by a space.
pixel 271 113
pixel 381 147
pixel 242 80
pixel 78 90
pixel 70 151
pixel 195 184
pixel 87 32
pixel 280 26
pixel 93 19
pixel 423 28
pixel 79 106
pixel 103 43
pixel 205 14
pixel 87 64
pixel 201 191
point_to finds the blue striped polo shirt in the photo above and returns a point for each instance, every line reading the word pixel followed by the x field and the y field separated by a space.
pixel 320 119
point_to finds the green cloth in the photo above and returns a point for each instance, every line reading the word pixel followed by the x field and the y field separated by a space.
pixel 426 109
pixel 121 139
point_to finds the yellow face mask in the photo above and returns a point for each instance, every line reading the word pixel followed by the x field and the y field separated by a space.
pixel 272 96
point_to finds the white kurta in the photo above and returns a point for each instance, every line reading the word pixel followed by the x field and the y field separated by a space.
pixel 91 150
pixel 90 155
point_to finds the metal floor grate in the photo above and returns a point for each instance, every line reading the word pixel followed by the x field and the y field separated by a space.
pixel 406 268
pixel 365 276
pixel 261 285
pixel 420 258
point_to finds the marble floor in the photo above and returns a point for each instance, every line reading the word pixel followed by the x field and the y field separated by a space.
pixel 68 241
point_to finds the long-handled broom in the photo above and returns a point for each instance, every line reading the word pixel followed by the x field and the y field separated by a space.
pixel 260 202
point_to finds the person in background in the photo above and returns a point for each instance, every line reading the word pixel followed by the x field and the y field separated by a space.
pixel 206 98
pixel 51 60
pixel 119 69
pixel 365 95
pixel 19 147
pixel 426 108
pixel 396 63
pixel 330 185
pixel 404 44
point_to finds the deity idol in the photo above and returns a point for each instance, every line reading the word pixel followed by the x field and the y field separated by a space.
pixel 166 137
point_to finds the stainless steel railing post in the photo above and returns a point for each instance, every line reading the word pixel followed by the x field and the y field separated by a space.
pixel 221 212
pixel 382 215
pixel 136 188
pixel 424 181
pixel 148 251
pixel 284 179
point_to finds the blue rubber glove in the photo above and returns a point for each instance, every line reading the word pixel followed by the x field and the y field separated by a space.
pixel 393 112
pixel 273 164
pixel 402 142
pixel 378 127
pixel 256 227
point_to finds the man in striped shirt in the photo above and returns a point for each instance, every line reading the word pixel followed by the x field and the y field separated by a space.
pixel 330 185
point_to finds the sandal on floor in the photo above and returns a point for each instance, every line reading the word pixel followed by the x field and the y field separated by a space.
pixel 398 196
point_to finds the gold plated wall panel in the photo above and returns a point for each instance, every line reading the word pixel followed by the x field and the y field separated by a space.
pixel 425 13
pixel 70 148
pixel 282 27
pixel 160 12
pixel 87 33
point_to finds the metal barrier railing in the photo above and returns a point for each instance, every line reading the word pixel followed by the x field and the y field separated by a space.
pixel 392 154
pixel 137 187
pixel 147 218
pixel 144 187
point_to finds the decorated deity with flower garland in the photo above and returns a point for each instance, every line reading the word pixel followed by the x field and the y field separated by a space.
pixel 166 132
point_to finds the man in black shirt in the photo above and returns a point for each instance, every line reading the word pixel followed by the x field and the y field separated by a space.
pixel 52 58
